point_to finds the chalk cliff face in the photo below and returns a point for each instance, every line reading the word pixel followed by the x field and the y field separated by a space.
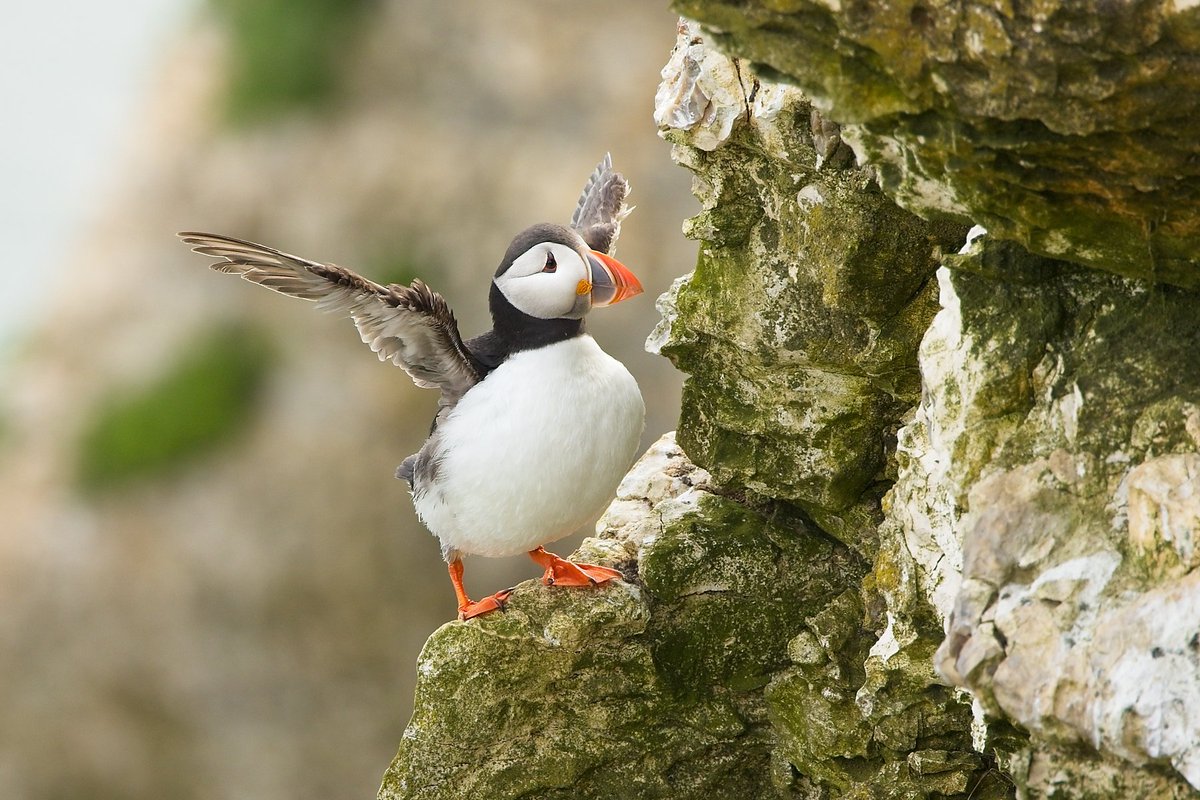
pixel 1047 496
pixel 928 526
pixel 1044 502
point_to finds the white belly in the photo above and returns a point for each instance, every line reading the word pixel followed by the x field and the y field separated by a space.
pixel 534 451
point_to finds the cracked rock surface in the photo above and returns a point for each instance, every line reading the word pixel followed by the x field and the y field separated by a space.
pixel 1057 543
pixel 1073 130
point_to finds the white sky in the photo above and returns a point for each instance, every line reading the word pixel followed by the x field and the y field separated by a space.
pixel 72 74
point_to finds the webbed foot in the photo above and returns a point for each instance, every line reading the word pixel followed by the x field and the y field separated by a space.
pixel 561 572
pixel 495 602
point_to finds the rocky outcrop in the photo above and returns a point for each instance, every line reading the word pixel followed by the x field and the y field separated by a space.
pixel 738 659
pixel 935 531
pixel 800 323
pixel 1070 129
pixel 1043 510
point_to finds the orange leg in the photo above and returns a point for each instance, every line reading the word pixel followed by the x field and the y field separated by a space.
pixel 467 609
pixel 560 572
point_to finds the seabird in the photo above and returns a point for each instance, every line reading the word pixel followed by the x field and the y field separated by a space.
pixel 536 424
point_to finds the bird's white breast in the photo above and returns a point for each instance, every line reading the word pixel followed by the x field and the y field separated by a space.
pixel 534 451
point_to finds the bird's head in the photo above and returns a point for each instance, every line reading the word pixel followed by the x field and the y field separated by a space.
pixel 549 273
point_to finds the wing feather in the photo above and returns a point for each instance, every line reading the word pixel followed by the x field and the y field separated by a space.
pixel 601 207
pixel 411 326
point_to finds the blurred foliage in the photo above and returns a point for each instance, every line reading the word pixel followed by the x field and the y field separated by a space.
pixel 199 402
pixel 398 264
pixel 284 53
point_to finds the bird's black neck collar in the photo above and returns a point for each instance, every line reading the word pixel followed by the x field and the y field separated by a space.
pixel 520 331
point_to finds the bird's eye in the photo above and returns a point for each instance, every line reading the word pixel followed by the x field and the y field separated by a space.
pixel 551 264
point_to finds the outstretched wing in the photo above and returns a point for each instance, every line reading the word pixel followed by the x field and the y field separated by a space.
pixel 601 207
pixel 411 326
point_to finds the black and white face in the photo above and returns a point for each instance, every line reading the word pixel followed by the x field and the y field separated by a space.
pixel 550 280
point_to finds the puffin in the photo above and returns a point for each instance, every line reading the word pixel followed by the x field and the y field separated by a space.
pixel 536 425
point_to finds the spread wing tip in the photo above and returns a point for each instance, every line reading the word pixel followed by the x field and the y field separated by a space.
pixel 601 206
pixel 226 248
pixel 200 238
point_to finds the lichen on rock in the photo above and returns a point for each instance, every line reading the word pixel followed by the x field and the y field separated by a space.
pixel 800 324
pixel 1071 130
pixel 1037 488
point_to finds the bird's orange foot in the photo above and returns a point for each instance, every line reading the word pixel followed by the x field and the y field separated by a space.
pixel 570 573
pixel 487 605
pixel 561 572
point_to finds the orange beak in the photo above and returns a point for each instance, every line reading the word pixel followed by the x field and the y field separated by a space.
pixel 612 281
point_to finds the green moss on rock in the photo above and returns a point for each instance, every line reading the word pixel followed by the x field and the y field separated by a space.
pixel 1072 132
pixel 201 401
pixel 734 588
pixel 800 324
pixel 844 729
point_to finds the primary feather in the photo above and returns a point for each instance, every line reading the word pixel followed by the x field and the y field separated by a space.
pixel 601 207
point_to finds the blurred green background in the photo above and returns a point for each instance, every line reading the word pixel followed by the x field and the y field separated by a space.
pixel 211 586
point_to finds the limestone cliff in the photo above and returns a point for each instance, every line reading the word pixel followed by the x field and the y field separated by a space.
pixel 934 532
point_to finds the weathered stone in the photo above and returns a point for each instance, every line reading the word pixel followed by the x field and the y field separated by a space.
pixel 800 324
pixel 1056 425
pixel 906 739
pixel 1072 130
pixel 799 329
pixel 1164 507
